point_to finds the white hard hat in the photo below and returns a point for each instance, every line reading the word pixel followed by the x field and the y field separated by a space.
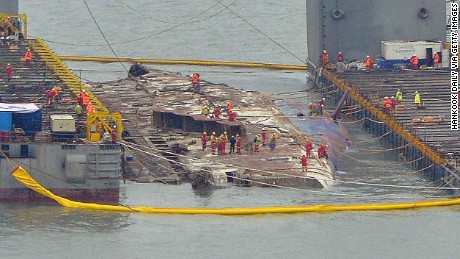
pixel 367 56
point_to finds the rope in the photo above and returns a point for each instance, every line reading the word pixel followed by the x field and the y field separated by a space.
pixel 351 122
pixel 130 145
pixel 105 38
pixel 353 112
pixel 379 137
pixel 304 177
pixel 140 38
pixel 375 151
pixel 258 30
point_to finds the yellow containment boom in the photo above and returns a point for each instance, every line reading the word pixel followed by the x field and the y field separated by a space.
pixel 23 177
pixel 185 62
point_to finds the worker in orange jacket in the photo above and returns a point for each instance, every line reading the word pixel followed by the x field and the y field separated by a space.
pixel 238 144
pixel 437 60
pixel 414 62
pixel 368 63
pixel 90 108
pixel 28 57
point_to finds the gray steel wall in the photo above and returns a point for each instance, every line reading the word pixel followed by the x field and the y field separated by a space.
pixel 365 23
pixel 9 6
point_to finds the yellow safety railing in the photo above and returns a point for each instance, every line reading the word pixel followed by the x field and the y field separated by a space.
pixel 22 20
pixel 391 123
pixel 71 81
pixel 186 62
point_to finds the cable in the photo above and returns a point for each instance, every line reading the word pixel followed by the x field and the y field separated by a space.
pixel 140 38
pixel 341 181
pixel 127 144
pixel 261 32
pixel 105 39
pixel 379 137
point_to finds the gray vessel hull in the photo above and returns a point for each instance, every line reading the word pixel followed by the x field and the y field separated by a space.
pixel 82 172
pixel 356 27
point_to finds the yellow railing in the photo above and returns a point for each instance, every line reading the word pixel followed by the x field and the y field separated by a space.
pixel 391 123
pixel 22 19
pixel 71 81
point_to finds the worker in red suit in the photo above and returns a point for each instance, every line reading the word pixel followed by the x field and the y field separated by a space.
pixel 322 152
pixel 304 162
pixel 216 112
pixel 324 57
pixel 113 135
pixel 238 144
pixel 308 147
pixel 264 137
pixel 231 116
pixel 321 105
pixel 340 57
pixel 204 139
pixel 213 145
pixel 9 71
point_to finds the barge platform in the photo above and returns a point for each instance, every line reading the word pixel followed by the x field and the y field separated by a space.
pixel 424 133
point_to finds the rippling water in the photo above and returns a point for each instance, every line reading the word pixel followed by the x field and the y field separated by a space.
pixel 44 231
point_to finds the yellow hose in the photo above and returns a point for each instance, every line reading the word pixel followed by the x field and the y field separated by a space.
pixel 23 177
pixel 185 62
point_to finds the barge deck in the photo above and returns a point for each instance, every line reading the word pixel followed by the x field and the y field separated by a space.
pixel 431 144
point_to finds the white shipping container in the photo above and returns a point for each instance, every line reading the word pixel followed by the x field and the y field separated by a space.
pixel 396 50
pixel 62 123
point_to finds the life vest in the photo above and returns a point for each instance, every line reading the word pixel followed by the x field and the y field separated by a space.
pixel 28 55
pixel 368 63
pixel 399 96
pixel 417 98
pixel 437 58
pixel 325 57
pixel 387 103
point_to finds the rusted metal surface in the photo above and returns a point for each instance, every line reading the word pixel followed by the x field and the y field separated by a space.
pixel 164 106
